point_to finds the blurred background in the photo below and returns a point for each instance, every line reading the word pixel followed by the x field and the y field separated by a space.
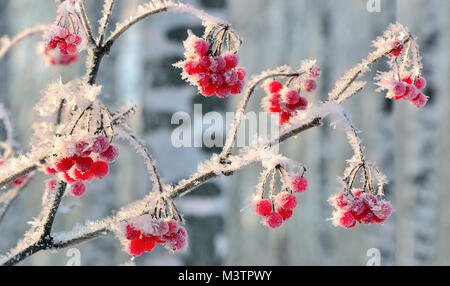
pixel 409 145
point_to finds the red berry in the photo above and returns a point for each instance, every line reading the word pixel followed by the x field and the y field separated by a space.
pixel 201 47
pixel 284 117
pixel 110 155
pixel 208 90
pixel 230 77
pixel 299 184
pixel 217 80
pixel 420 100
pixel 286 200
pixel 358 209
pixel 177 243
pixel 238 87
pixel 191 67
pixel 284 213
pixel 382 211
pixel 100 144
pixel 70 39
pixel 302 103
pixel 78 189
pixel 218 64
pixel 100 169
pixel 160 228
pixel 399 89
pixel 274 86
pixel 136 247
pixel 205 62
pixel 421 83
pixel 78 40
pixel 62 33
pixel 223 91
pixel 62 45
pixel 82 148
pixel 82 176
pixel 173 226
pixel 52 45
pixel 368 218
pixel 132 232
pixel 309 85
pixel 241 73
pixel 84 164
pixel 292 97
pixel 347 220
pixel 231 61
pixel 64 164
pixel 274 220
pixel 71 49
pixel 263 207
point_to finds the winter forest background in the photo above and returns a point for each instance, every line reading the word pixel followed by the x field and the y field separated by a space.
pixel 411 147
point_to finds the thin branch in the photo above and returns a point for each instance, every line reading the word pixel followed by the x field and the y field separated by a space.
pixel 124 28
pixel 7 43
pixel 107 11
pixel 86 24
pixel 364 65
pixel 53 209
pixel 227 149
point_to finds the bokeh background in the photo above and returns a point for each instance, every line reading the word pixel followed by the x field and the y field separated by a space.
pixel 409 145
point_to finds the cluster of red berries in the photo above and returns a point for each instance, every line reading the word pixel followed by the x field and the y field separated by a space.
pixel 286 101
pixel 212 74
pixel 17 183
pixel 359 207
pixel 87 162
pixel 282 206
pixel 167 232
pixel 409 89
pixel 65 41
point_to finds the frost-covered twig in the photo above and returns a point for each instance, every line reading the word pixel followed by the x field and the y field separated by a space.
pixel 6 43
pixel 86 24
pixel 107 11
pixel 347 85
pixel 243 104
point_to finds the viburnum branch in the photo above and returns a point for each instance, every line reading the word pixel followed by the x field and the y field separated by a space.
pixel 335 96
pixel 86 24
pixel 107 11
pixel 227 149
pixel 6 43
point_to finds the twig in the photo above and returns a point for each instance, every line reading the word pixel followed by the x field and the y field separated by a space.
pixel 8 44
pixel 107 10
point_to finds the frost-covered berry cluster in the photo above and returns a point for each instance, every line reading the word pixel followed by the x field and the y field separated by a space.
pixel 211 71
pixel 86 161
pixel 404 79
pixel 287 101
pixel 66 37
pixel 143 233
pixel 276 208
pixel 358 206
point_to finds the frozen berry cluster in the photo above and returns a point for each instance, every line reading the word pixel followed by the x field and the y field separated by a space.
pixel 409 89
pixel 285 101
pixel 359 207
pixel 165 232
pixel 87 162
pixel 280 208
pixel 64 41
pixel 217 74
pixel 17 183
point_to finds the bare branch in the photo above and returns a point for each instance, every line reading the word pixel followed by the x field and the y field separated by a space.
pixel 7 43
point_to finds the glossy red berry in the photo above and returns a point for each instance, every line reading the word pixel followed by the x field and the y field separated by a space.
pixel 299 184
pixel 136 247
pixel 274 86
pixel 84 164
pixel 132 232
